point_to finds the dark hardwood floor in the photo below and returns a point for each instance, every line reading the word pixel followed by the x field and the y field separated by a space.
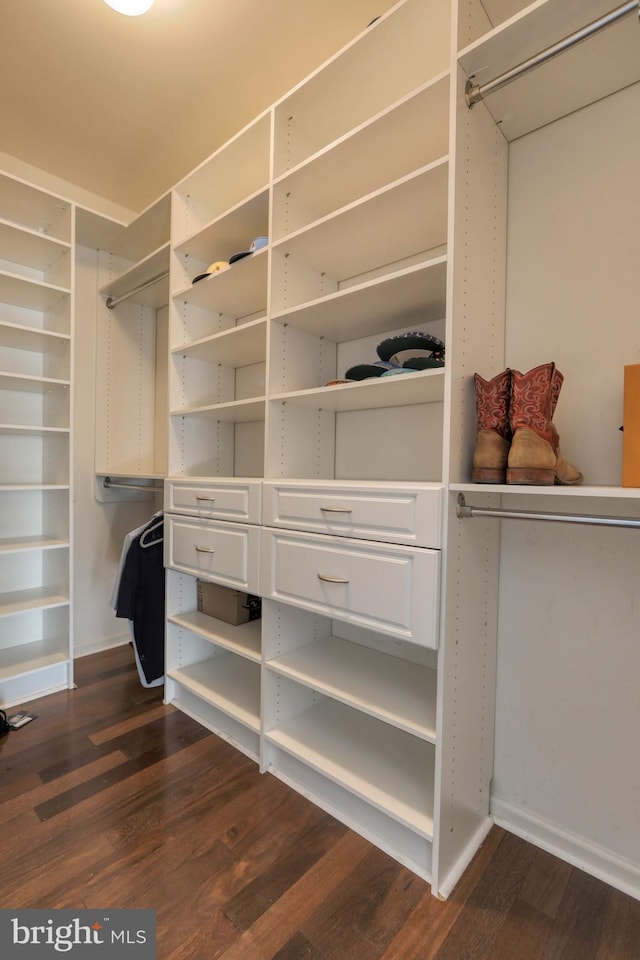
pixel 111 799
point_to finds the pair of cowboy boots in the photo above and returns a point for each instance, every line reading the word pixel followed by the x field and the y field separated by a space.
pixel 516 441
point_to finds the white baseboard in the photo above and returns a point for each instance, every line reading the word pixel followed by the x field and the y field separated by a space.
pixel 98 646
pixel 578 851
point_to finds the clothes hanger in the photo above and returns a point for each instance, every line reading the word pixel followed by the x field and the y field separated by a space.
pixel 149 530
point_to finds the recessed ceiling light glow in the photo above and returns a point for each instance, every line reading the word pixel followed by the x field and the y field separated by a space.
pixel 131 8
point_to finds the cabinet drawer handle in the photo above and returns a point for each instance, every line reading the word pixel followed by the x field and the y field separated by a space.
pixel 336 509
pixel 323 576
pixel 205 550
pixel 209 499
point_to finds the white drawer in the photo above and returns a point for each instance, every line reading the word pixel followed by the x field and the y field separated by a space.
pixel 222 500
pixel 392 513
pixel 385 587
pixel 227 553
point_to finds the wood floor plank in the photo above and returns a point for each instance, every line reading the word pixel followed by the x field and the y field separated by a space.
pixel 429 924
pixel 298 948
pixel 478 926
pixel 524 934
pixel 42 792
pixel 546 883
pixel 158 740
pixel 620 933
pixel 276 927
pixel 127 726
pixel 576 934
pixel 367 909
pixel 299 857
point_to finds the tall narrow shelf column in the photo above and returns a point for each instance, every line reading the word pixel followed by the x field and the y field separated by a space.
pixel 36 327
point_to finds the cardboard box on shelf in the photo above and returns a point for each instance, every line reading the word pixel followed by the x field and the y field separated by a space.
pixel 226 604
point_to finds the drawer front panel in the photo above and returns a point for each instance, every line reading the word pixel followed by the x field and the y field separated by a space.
pixel 410 515
pixel 223 501
pixel 390 589
pixel 227 553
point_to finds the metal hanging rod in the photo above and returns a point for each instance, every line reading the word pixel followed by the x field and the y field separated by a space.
pixel 114 301
pixel 108 483
pixel 475 92
pixel 465 510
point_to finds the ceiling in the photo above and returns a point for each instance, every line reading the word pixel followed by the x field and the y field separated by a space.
pixel 125 106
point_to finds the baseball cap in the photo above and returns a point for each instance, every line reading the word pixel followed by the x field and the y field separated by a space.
pixel 214 267
pixel 256 244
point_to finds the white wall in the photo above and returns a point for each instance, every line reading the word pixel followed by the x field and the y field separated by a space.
pixel 568 690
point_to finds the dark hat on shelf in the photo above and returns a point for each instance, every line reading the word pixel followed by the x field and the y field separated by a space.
pixel 414 345
pixel 257 244
pixel 362 371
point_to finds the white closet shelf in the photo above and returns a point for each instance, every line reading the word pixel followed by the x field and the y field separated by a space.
pixel 424 386
pixel 26 657
pixel 32 294
pixel 94 230
pixel 37 598
pixel 28 247
pixel 343 245
pixel 416 294
pixel 336 175
pixel 228 682
pixel 237 291
pixel 31 338
pixel 400 842
pixel 231 231
pixel 26 384
pixel 394 690
pixel 237 411
pixel 564 84
pixel 23 544
pixel 388 768
pixel 581 491
pixel 134 241
pixel 31 487
pixel 243 639
pixel 234 172
pixel 347 90
pixel 31 207
pixel 156 295
pixel 237 347
pixel 30 430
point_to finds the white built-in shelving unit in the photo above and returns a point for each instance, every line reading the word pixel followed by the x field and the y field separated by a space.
pixel 336 490
pixel 36 281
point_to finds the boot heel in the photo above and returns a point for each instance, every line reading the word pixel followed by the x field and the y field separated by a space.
pixel 488 475
pixel 531 475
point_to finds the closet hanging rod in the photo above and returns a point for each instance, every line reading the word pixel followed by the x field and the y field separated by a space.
pixel 114 301
pixel 108 483
pixel 465 511
pixel 475 92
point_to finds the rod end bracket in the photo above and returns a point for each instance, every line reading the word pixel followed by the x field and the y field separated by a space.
pixel 472 93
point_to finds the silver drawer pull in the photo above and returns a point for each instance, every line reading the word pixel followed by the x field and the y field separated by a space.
pixel 323 576
pixel 336 509
pixel 205 550
pixel 209 499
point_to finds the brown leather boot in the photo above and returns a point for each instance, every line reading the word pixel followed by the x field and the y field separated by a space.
pixel 565 472
pixel 534 456
pixel 493 431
